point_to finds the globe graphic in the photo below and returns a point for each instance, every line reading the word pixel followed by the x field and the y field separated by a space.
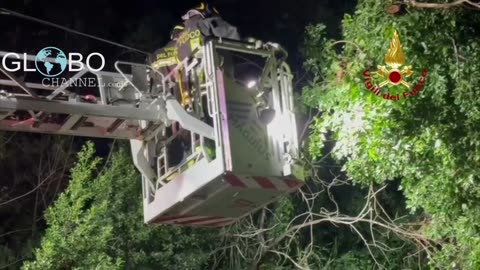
pixel 50 68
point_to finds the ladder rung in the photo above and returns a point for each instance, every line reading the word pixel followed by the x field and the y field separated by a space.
pixel 19 83
pixel 79 122
pixel 70 122
pixel 4 114
pixel 115 125
pixel 40 118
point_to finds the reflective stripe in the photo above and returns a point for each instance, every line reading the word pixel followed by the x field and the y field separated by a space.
pixel 234 181
pixel 264 182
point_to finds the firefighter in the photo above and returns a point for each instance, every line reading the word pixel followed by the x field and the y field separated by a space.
pixel 166 58
pixel 201 22
pixel 207 19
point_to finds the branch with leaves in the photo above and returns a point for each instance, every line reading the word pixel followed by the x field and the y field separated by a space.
pixel 269 234
pixel 454 4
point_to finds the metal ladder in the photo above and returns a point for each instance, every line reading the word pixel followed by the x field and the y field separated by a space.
pixel 36 107
pixel 253 161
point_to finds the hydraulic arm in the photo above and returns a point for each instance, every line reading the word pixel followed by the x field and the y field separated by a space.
pixel 252 159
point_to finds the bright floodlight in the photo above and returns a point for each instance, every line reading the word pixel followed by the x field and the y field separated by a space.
pixel 251 84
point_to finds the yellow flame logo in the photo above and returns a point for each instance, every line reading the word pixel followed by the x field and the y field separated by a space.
pixel 394 58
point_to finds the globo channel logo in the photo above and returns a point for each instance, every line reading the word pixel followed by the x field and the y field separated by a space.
pixel 52 61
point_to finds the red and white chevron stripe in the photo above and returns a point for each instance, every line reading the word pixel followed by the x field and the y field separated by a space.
pixel 277 185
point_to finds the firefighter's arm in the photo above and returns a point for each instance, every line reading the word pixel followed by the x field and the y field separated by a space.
pixel 170 61
pixel 167 57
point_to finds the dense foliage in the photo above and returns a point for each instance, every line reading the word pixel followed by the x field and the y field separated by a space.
pixel 97 223
pixel 430 141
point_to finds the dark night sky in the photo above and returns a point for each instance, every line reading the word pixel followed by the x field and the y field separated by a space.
pixel 146 24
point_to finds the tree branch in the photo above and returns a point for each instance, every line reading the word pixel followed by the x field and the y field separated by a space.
pixel 454 4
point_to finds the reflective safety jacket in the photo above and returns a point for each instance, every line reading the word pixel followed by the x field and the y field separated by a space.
pixel 165 57
pixel 164 60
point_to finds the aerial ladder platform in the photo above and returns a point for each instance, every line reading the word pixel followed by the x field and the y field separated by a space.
pixel 252 161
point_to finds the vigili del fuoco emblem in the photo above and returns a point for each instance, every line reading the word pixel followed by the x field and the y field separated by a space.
pixel 394 73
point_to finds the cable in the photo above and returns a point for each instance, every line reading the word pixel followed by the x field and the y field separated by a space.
pixel 5 11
